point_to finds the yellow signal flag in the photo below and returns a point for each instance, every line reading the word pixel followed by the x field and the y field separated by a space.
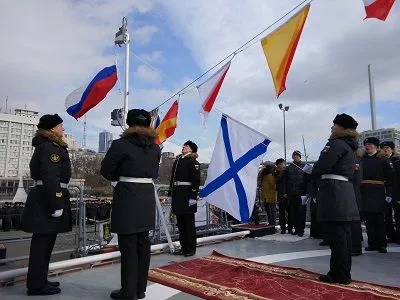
pixel 280 46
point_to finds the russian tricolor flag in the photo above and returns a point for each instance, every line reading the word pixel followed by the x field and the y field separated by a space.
pixel 84 98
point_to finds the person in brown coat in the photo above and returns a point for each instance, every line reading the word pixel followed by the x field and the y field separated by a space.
pixel 268 193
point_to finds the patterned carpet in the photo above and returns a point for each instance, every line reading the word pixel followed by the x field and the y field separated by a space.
pixel 222 277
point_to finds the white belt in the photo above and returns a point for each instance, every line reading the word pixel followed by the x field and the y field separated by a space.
pixel 335 177
pixel 182 183
pixel 40 182
pixel 135 180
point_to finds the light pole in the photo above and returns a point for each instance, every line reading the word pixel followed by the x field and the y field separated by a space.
pixel 284 109
pixel 122 38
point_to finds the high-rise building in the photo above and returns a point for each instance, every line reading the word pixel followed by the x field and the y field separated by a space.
pixel 16 133
pixel 384 134
pixel 71 141
pixel 105 139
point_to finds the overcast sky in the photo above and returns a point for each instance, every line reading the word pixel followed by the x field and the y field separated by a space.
pixel 50 48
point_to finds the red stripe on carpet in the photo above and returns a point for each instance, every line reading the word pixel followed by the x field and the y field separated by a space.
pixel 222 277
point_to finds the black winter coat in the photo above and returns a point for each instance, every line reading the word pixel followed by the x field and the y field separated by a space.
pixel 135 154
pixel 378 168
pixel 295 179
pixel 185 169
pixel 356 181
pixel 395 159
pixel 51 164
pixel 336 199
pixel 280 184
pixel 396 186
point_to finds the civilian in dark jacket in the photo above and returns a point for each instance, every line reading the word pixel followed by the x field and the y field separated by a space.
pixel 285 216
pixel 392 233
pixel 184 189
pixel 296 186
pixel 376 192
pixel 47 209
pixel 336 203
pixel 133 161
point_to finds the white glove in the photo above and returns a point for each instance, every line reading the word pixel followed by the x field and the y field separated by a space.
pixel 388 199
pixel 57 213
pixel 314 199
pixel 305 199
pixel 192 202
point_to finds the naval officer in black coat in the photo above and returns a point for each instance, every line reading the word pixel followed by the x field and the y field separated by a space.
pixel 133 161
pixel 376 192
pixel 336 203
pixel 184 189
pixel 47 209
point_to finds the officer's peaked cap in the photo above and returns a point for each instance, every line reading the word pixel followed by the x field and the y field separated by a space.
pixel 372 140
pixel 387 144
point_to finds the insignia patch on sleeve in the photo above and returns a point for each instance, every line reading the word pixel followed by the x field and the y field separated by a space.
pixel 59 195
pixel 55 158
pixel 197 167
pixel 326 149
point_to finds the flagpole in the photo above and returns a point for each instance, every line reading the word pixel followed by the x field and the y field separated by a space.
pixel 126 98
pixel 122 38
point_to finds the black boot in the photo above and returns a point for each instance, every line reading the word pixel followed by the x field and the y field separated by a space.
pixel 45 291
pixel 117 294
pixel 53 283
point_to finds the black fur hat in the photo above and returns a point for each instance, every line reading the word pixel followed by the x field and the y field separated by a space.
pixel 138 117
pixel 48 122
pixel 192 146
pixel 345 121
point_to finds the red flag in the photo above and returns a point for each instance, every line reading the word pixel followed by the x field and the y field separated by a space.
pixel 209 89
pixel 168 124
pixel 378 9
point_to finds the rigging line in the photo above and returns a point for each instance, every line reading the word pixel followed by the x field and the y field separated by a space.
pixel 238 50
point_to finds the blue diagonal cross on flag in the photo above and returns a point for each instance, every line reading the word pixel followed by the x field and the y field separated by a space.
pixel 232 175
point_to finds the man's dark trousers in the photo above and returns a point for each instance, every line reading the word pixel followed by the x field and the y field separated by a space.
pixel 40 253
pixel 187 232
pixel 135 262
pixel 375 223
pixel 285 215
pixel 298 213
pixel 338 235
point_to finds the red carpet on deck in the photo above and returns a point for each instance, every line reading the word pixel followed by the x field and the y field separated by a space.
pixel 222 277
